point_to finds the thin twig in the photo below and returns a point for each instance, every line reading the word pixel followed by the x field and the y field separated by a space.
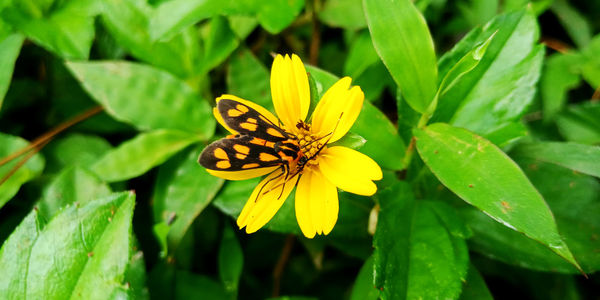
pixel 21 163
pixel 555 44
pixel 50 134
pixel 280 266
pixel 315 42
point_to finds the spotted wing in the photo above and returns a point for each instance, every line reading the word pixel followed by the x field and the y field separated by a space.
pixel 241 152
pixel 247 121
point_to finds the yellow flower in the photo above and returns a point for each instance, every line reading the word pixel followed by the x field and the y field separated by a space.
pixel 327 168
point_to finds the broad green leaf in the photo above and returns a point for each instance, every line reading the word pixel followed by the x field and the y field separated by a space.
pixel 231 261
pixel 483 176
pixel 83 251
pixel 75 150
pixel 477 12
pixel 416 256
pixel 140 154
pixel 32 168
pixel 128 22
pixel 474 287
pixel 363 288
pixel 574 23
pixel 560 75
pixel 351 140
pixel 182 190
pixel 135 277
pixel 507 134
pixel 171 17
pixel 362 55
pixel 590 65
pixel 145 97
pixel 192 286
pixel 580 123
pixel 71 185
pixel 275 15
pixel 501 87
pixel 9 51
pixel 248 78
pixel 242 25
pixel 402 40
pixel 381 135
pixel 67 30
pixel 574 200
pixel 578 157
pixel 14 256
pixel 219 44
pixel 347 14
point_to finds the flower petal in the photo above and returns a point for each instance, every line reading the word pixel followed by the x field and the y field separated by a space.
pixel 263 111
pixel 260 208
pixel 290 90
pixel 350 170
pixel 317 204
pixel 340 106
pixel 242 174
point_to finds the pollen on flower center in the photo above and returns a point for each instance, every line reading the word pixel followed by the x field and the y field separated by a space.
pixel 309 143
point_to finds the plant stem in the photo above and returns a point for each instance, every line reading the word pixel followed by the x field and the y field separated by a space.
pixel 280 266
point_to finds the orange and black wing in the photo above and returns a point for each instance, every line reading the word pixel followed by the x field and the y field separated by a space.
pixel 241 152
pixel 247 121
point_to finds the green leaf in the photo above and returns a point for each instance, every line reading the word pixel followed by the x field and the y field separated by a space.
pixel 507 134
pixel 193 286
pixel 559 76
pixel 578 157
pixel 502 86
pixel 67 30
pixel 9 51
pixel 402 40
pixel 75 150
pixel 416 256
pixel 275 15
pixel 574 200
pixel 145 97
pixel 574 23
pixel 362 55
pixel 183 189
pixel 8 145
pixel 347 14
pixel 83 251
pixel 482 175
pixel 475 288
pixel 140 154
pixel 580 123
pixel 590 65
pixel 128 22
pixel 363 288
pixel 171 17
pixel 478 12
pixel 14 256
pixel 70 185
pixel 231 261
pixel 220 43
pixel 381 135
pixel 248 78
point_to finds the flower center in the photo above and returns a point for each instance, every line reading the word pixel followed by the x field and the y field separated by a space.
pixel 310 144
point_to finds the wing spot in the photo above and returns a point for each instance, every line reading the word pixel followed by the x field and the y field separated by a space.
pixel 220 153
pixel 242 108
pixel 234 113
pixel 274 132
pixel 240 156
pixel 223 164
pixel 241 149
pixel 251 120
pixel 250 166
pixel 267 157
pixel 249 126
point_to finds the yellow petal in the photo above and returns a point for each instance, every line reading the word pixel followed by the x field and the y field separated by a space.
pixel 243 174
pixel 263 111
pixel 290 90
pixel 259 210
pixel 317 204
pixel 337 110
pixel 350 170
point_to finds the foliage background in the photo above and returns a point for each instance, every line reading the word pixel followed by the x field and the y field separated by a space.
pixel 116 205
